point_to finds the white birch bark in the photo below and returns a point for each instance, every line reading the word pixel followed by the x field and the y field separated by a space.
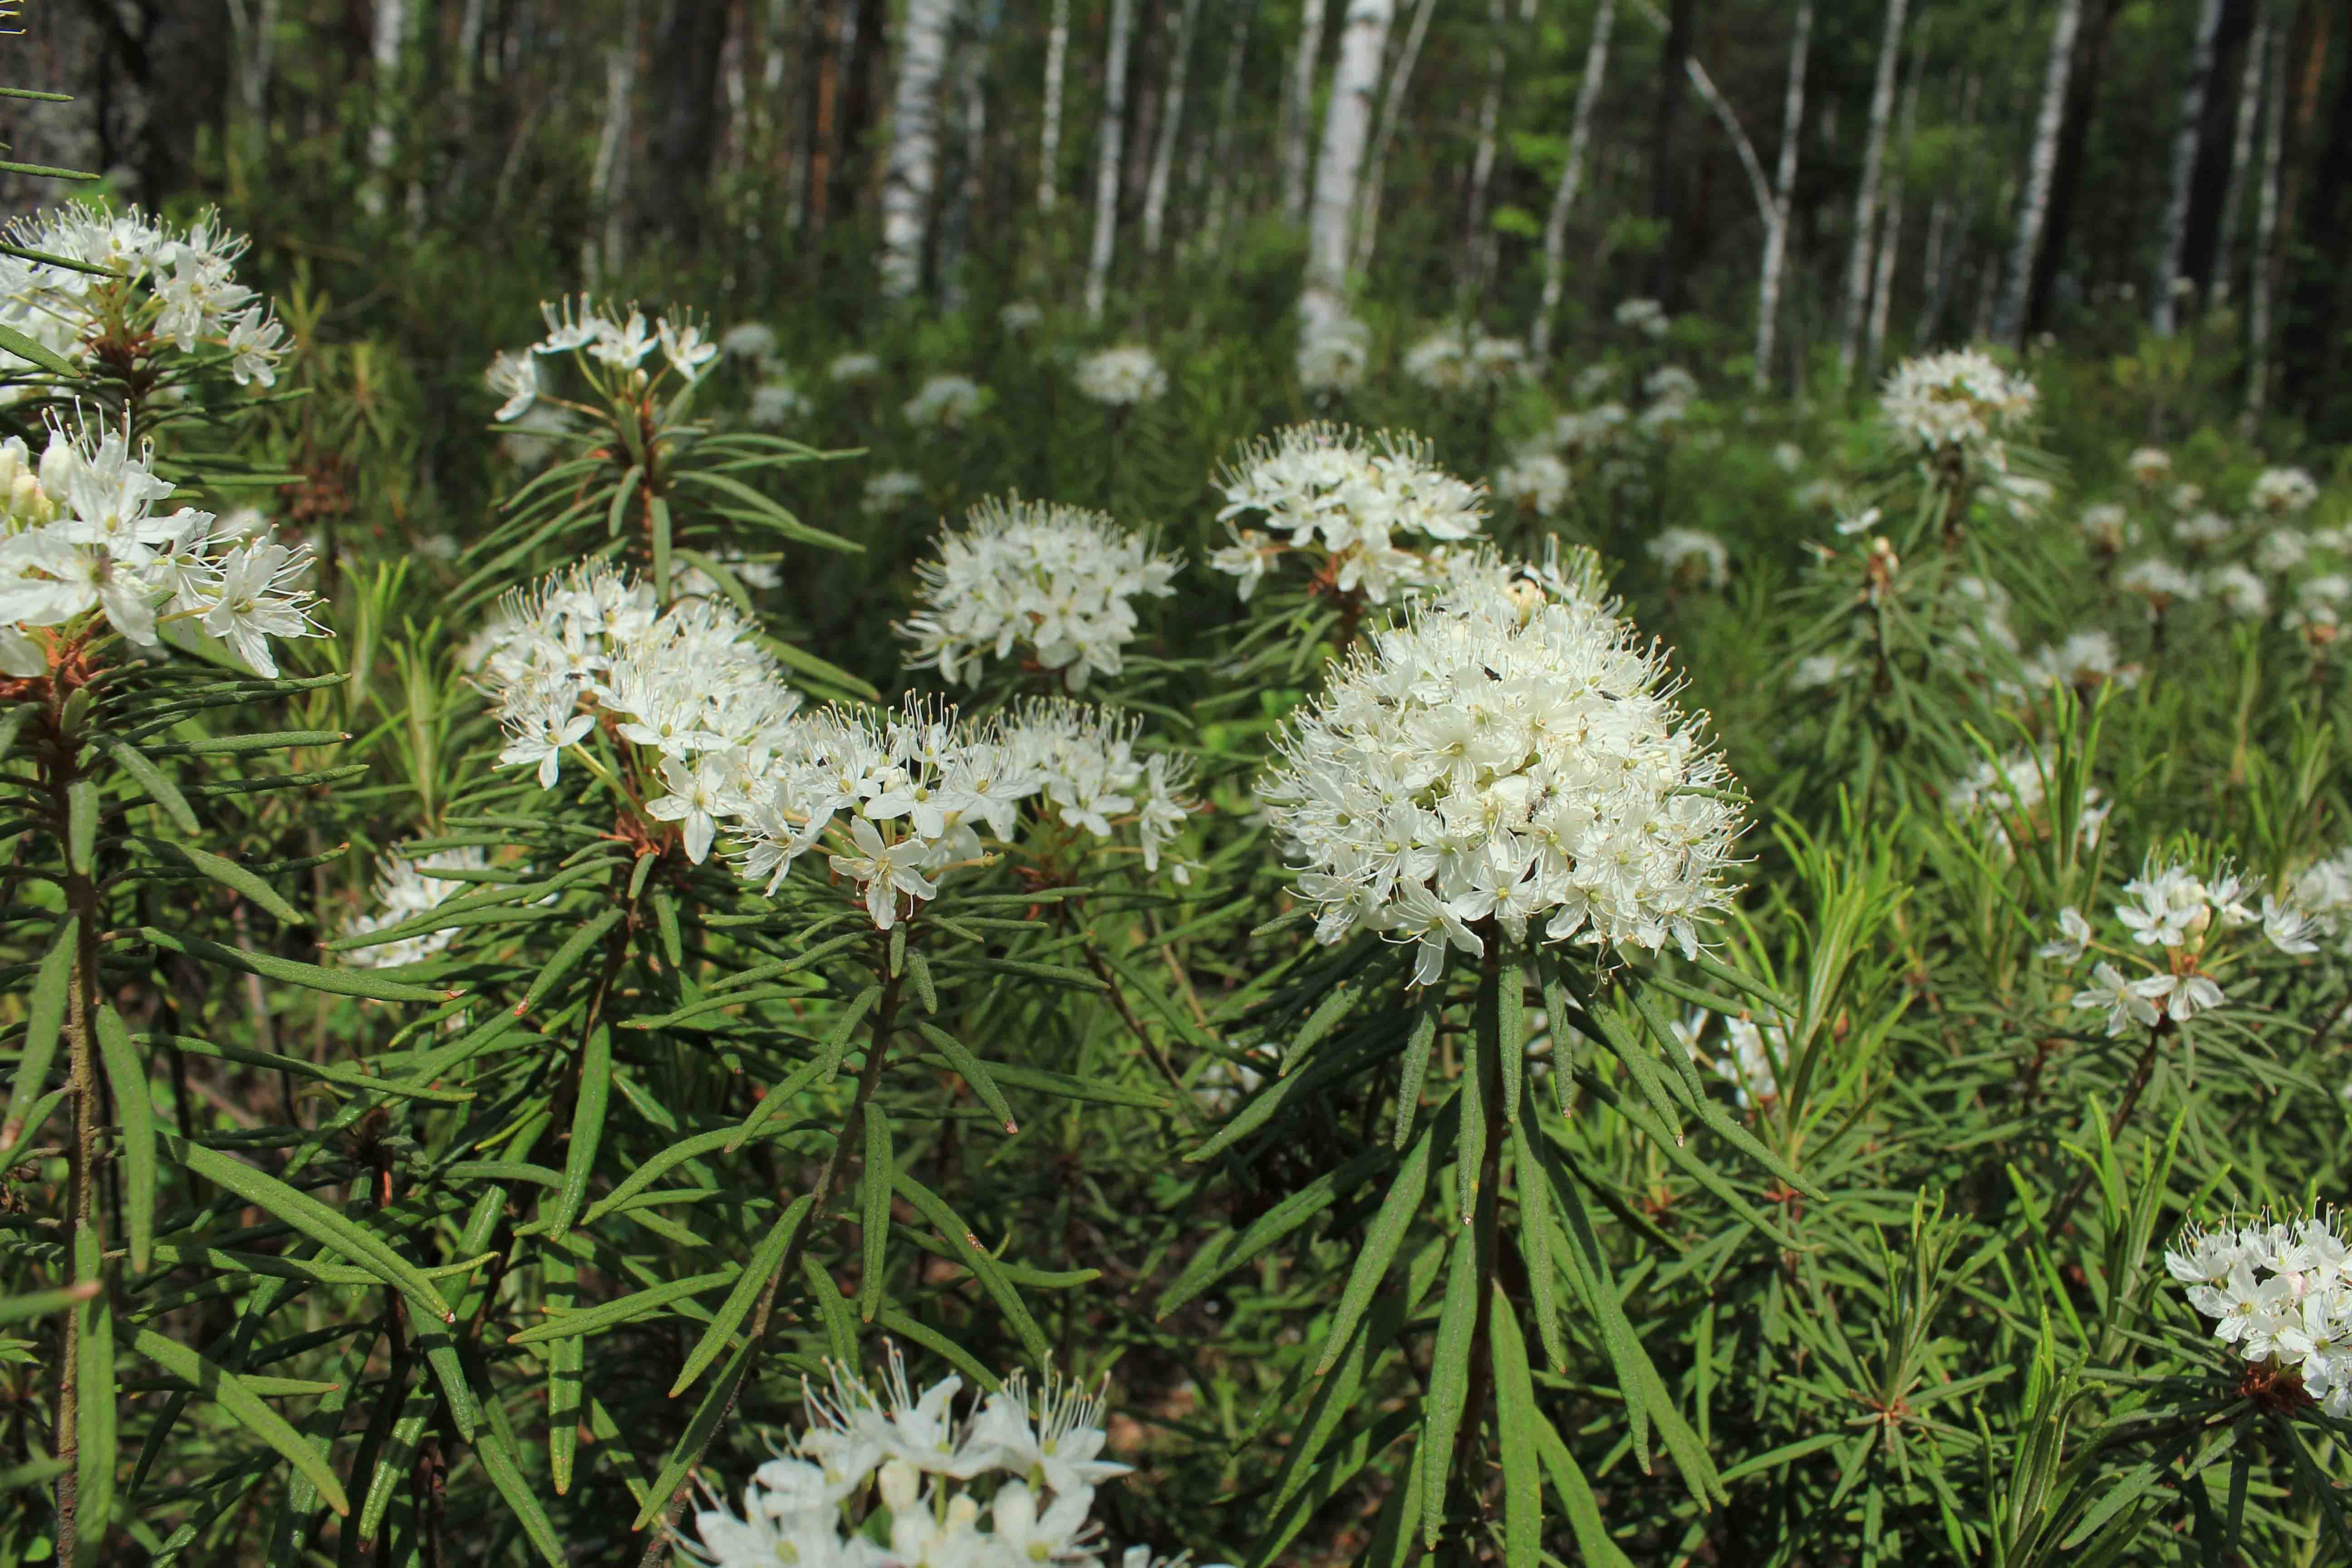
pixel 387 45
pixel 1107 136
pixel 253 29
pixel 470 23
pixel 1784 183
pixel 2008 321
pixel 1229 97
pixel 1937 266
pixel 1298 113
pixel 1482 161
pixel 1171 117
pixel 911 168
pixel 1865 198
pixel 609 177
pixel 2164 304
pixel 1890 239
pixel 1339 165
pixel 1571 176
pixel 2242 147
pixel 1049 134
pixel 1368 200
pixel 2267 224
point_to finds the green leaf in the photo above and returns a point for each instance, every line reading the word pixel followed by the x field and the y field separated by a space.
pixel 1449 1382
pixel 819 1068
pixel 229 875
pixel 242 1405
pixel 874 1186
pixel 1386 1235
pixel 1516 1420
pixel 595 1089
pixel 81 825
pixel 1415 1069
pixel 16 342
pixel 974 1071
pixel 313 1219
pixel 1209 1264
pixel 94 1422
pixel 126 1074
pixel 977 1259
pixel 45 1021
pixel 764 1261
pixel 1584 1521
pixel 309 976
pixel 717 1400
pixel 1061 1086
pixel 627 1310
pixel 150 777
pixel 41 1303
pixel 1534 1189
pixel 567 957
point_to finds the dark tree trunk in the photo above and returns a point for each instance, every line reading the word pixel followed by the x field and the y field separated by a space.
pixel 820 142
pixel 861 94
pixel 2308 347
pixel 1666 281
pixel 2082 107
pixel 2209 184
pixel 677 177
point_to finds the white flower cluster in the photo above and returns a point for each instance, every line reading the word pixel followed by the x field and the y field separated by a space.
pixel 1333 353
pixel 1956 400
pixel 2084 659
pixel 1058 582
pixel 1749 1066
pixel 80 533
pixel 886 1479
pixel 173 284
pixel 778 400
pixel 2007 796
pixel 890 490
pixel 619 342
pixel 2282 492
pixel 2160 582
pixel 1121 377
pixel 1345 498
pixel 946 402
pixel 2238 590
pixel 1456 359
pixel 1019 316
pixel 690 683
pixel 2149 466
pixel 2278 1292
pixel 2108 528
pixel 914 787
pixel 1506 752
pixel 849 369
pixel 1536 480
pixel 406 888
pixel 2173 915
pixel 1646 317
pixel 753 340
pixel 1692 556
pixel 2202 530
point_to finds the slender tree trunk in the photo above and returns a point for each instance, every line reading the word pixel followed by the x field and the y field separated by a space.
pixel 912 169
pixel 2084 85
pixel 253 27
pixel 972 110
pixel 1784 185
pixel 1478 244
pixel 388 39
pixel 2008 323
pixel 1049 133
pixel 1571 176
pixel 1298 116
pixel 2265 264
pixel 2163 312
pixel 610 176
pixel 1674 56
pixel 1890 240
pixel 1171 118
pixel 2209 180
pixel 1106 159
pixel 1865 200
pixel 688 49
pixel 2310 350
pixel 1368 220
pixel 1347 124
pixel 2241 146
pixel 1229 97
pixel 824 99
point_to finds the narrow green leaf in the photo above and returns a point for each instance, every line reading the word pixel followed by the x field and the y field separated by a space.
pixel 81 825
pixel 229 875
pixel 977 1259
pixel 817 1069
pixel 1449 1382
pixel 974 1072
pixel 247 1408
pixel 1386 1232
pixel 1516 1421
pixel 309 976
pixel 761 1267
pixel 94 1424
pixel 627 1310
pixel 126 1073
pixel 150 777
pixel 587 1126
pixel 16 342
pixel 874 1188
pixel 45 1021
pixel 567 958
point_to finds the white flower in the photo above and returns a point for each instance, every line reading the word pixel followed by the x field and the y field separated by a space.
pixel 859 366
pixel 1058 582
pixel 2127 1002
pixel 1691 555
pixel 778 401
pixel 2275 1293
pixel 1646 317
pixel 2287 928
pixel 514 376
pixel 2149 466
pixel 1351 504
pixel 406 888
pixel 2072 940
pixel 2203 530
pixel 749 340
pixel 1456 359
pixel 2107 528
pixel 1536 480
pixel 2238 590
pixel 885 870
pixel 1505 750
pixel 1054 1433
pixel 2282 492
pixel 1332 355
pixel 1959 399
pixel 2158 580
pixel 890 490
pixel 948 401
pixel 2282 550
pixel 685 349
pixel 256 594
pixel 1121 377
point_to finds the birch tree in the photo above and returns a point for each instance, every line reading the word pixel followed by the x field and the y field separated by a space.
pixel 2008 317
pixel 1571 176
pixel 1890 238
pixel 912 166
pixel 1865 198
pixel 1229 97
pixel 1298 109
pixel 2242 147
pixel 1171 118
pixel 386 45
pixel 2266 225
pixel 1784 185
pixel 609 177
pixel 1049 131
pixel 1347 124
pixel 2164 310
pixel 1476 245
pixel 1368 218
pixel 253 31
pixel 1107 149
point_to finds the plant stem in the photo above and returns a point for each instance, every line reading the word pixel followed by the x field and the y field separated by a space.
pixel 2142 1072
pixel 81 890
